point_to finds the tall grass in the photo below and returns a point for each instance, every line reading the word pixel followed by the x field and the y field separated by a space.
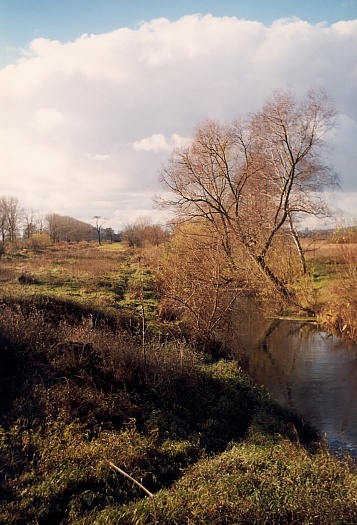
pixel 253 484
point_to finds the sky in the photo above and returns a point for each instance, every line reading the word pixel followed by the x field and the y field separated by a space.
pixel 94 94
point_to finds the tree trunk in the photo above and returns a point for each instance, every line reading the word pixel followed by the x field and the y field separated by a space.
pixel 278 284
pixel 296 238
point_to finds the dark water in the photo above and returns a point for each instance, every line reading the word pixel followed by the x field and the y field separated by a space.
pixel 312 371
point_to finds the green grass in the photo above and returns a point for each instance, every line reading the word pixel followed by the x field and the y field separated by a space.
pixel 266 483
pixel 112 247
pixel 107 276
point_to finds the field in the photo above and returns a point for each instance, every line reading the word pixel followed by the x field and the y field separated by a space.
pixel 92 380
pixel 333 266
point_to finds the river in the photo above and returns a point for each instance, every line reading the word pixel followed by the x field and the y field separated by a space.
pixel 310 370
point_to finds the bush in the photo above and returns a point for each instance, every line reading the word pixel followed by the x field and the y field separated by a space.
pixel 39 241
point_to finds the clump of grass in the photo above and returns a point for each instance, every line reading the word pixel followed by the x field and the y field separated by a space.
pixel 27 278
pixel 270 482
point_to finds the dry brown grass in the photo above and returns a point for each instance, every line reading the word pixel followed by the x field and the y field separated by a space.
pixel 334 269
pixel 324 249
pixel 74 269
pixel 80 257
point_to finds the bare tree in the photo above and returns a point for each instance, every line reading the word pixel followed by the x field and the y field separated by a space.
pixel 30 223
pixel 143 232
pixel 3 225
pixel 67 229
pixel 251 178
pixel 10 218
pixel 98 226
pixel 291 136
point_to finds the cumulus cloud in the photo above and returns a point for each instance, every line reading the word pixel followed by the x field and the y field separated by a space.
pixel 86 125
pixel 48 119
pixel 158 142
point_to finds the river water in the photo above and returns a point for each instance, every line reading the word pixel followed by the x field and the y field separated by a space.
pixel 312 371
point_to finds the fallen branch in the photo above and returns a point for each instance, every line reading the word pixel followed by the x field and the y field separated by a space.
pixel 150 494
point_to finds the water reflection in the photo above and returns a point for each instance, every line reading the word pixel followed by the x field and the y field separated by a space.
pixel 310 370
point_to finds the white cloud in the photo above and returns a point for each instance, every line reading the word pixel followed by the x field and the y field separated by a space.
pixel 158 142
pixel 345 205
pixel 98 157
pixel 48 119
pixel 86 125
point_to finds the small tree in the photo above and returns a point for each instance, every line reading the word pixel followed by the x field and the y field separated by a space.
pixel 39 241
pixel 144 232
pixel 11 213
pixel 109 234
pixel 195 282
pixel 98 227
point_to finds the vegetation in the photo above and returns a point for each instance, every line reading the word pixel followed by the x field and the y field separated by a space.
pixel 38 230
pixel 250 182
pixel 333 284
pixel 91 380
pixel 143 232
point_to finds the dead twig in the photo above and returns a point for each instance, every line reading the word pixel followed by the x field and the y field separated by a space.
pixel 150 494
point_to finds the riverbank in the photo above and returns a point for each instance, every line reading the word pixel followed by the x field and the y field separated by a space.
pixel 201 436
pixel 331 285
pixel 82 387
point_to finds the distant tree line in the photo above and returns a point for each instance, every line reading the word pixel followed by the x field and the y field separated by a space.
pixel 64 228
pixel 17 223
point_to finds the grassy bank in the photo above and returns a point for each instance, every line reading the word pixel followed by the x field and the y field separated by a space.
pixel 90 379
pixel 332 284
